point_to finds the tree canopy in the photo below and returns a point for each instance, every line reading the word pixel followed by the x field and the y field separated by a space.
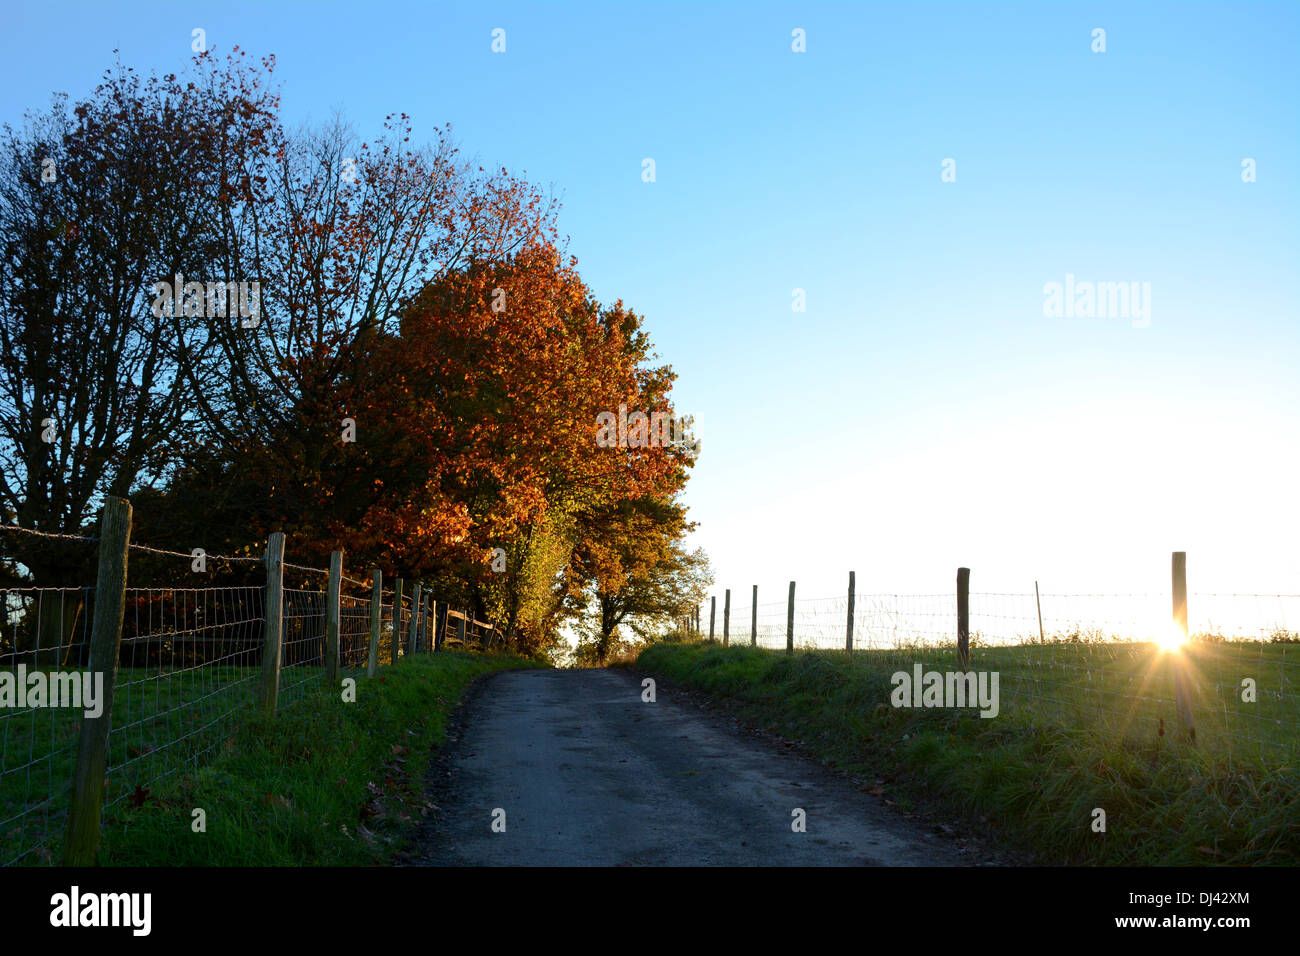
pixel 415 376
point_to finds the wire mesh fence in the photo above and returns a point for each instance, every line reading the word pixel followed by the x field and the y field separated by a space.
pixel 191 665
pixel 354 631
pixel 44 629
pixel 1111 663
pixel 187 671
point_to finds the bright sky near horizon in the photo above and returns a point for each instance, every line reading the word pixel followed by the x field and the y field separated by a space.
pixel 923 412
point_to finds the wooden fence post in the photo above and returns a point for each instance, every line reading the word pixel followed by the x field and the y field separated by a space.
pixel 726 620
pixel 81 838
pixel 332 618
pixel 422 644
pixel 460 629
pixel 789 622
pixel 713 613
pixel 848 628
pixel 1038 602
pixel 416 645
pixel 415 619
pixel 963 619
pixel 271 645
pixel 376 617
pixel 397 617
pixel 1181 663
pixel 429 605
pixel 753 619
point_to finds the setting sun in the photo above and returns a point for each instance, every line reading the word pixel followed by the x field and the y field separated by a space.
pixel 1172 638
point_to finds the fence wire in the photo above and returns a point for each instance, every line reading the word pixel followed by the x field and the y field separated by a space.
pixel 44 629
pixel 1096 661
pixel 188 668
pixel 189 671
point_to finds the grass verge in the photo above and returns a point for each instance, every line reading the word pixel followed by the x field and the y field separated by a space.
pixel 327 783
pixel 1033 775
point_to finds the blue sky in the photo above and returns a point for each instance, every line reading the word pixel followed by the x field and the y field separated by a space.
pixel 922 413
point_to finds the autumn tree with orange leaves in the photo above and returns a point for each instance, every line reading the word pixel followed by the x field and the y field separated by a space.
pixel 419 386
pixel 426 303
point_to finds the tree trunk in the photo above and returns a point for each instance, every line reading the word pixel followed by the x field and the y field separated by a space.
pixel 50 638
pixel 58 613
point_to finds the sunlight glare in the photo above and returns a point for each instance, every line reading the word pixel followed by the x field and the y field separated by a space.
pixel 1171 638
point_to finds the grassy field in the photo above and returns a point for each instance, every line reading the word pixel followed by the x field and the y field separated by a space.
pixel 328 782
pixel 1078 728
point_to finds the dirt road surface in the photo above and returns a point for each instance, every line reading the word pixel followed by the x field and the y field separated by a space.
pixel 588 774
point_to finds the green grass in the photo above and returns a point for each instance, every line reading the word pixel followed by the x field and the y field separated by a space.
pixel 1079 728
pixel 326 783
